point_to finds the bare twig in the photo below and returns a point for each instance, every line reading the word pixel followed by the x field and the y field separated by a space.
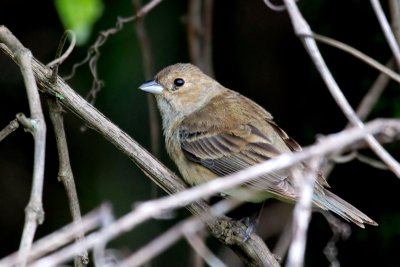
pixel 373 94
pixel 163 241
pixel 283 242
pixel 274 7
pixel 34 213
pixel 62 236
pixel 100 256
pixel 394 6
pixel 59 60
pixel 302 214
pixel 200 247
pixel 11 127
pixel 93 54
pixel 303 30
pixel 341 231
pixel 65 174
pixel 148 63
pixel 391 40
pixel 356 53
pixel 199 30
pixel 364 108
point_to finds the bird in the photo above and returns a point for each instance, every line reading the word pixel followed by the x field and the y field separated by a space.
pixel 212 131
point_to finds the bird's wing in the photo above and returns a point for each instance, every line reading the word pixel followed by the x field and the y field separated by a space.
pixel 228 151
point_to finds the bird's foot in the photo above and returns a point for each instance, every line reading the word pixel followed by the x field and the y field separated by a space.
pixel 250 224
pixel 233 231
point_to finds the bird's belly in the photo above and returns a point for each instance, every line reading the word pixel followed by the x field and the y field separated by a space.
pixel 195 174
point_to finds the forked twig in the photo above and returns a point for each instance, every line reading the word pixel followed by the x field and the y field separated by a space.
pixel 34 213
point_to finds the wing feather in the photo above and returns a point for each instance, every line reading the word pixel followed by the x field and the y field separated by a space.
pixel 227 152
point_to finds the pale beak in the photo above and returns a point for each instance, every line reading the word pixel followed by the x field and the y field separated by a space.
pixel 152 87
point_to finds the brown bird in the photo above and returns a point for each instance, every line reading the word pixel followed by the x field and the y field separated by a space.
pixel 212 131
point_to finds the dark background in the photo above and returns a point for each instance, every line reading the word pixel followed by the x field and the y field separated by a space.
pixel 255 53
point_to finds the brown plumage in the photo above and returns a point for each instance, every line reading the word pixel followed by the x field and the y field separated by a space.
pixel 212 131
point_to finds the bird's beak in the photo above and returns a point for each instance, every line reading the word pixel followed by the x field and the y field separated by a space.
pixel 152 87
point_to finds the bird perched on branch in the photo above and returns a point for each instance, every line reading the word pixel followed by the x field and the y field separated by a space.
pixel 212 131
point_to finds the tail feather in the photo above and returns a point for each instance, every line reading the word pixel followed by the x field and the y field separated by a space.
pixel 329 201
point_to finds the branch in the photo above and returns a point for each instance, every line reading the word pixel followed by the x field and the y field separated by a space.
pixel 60 59
pixel 148 64
pixel 65 174
pixel 34 213
pixel 364 108
pixel 302 214
pixel 373 94
pixel 391 40
pixel 163 241
pixel 11 127
pixel 356 53
pixel 62 236
pixel 394 6
pixel 199 31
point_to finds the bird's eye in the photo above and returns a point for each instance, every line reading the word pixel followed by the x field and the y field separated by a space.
pixel 178 82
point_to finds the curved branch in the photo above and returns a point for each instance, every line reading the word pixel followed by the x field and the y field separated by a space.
pixel 34 213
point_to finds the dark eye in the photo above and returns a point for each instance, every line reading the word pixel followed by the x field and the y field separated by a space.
pixel 178 82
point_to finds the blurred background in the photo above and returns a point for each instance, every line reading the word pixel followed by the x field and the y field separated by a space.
pixel 255 53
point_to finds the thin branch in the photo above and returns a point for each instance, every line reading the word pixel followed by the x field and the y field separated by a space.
pixel 146 8
pixel 341 231
pixel 11 127
pixel 59 60
pixel 373 94
pixel 199 31
pixel 274 7
pixel 302 29
pixel 100 257
pixel 62 236
pixel 394 6
pixel 148 64
pixel 34 213
pixel 365 107
pixel 93 54
pixel 356 53
pixel 200 247
pixel 65 174
pixel 283 243
pixel 387 31
pixel 165 240
pixel 302 214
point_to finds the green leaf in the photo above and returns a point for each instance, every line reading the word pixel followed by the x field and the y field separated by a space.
pixel 79 16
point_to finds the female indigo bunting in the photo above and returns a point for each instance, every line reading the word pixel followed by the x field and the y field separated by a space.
pixel 212 131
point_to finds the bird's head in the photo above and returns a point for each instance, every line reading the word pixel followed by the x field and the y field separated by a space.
pixel 181 89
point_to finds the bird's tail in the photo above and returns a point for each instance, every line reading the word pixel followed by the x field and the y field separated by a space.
pixel 329 201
